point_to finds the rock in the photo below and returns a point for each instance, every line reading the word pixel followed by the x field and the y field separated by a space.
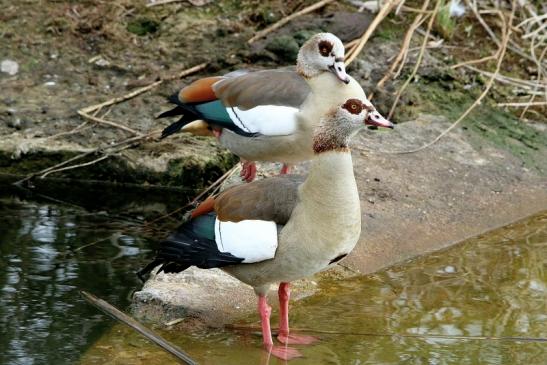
pixel 10 67
pixel 14 123
pixel 285 47
pixel 210 296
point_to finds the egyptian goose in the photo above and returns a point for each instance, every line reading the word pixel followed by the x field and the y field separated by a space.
pixel 281 228
pixel 269 115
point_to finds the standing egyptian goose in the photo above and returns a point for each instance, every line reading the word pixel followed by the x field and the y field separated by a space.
pixel 269 115
pixel 279 229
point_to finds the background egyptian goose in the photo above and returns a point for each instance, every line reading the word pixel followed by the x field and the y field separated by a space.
pixel 279 229
pixel 269 115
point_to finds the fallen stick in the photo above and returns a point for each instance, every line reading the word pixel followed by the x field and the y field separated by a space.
pixel 79 128
pixel 128 321
pixel 85 163
pixel 510 80
pixel 143 89
pixel 85 154
pixel 94 108
pixel 85 112
pixel 473 62
pixel 522 105
pixel 163 2
pixel 382 13
pixel 76 166
pixel 107 122
pixel 285 20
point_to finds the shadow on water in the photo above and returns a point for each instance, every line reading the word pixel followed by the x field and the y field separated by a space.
pixel 50 251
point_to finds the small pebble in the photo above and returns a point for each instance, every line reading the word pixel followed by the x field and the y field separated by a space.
pixel 10 67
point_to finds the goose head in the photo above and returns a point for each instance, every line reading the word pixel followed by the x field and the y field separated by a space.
pixel 324 52
pixel 340 124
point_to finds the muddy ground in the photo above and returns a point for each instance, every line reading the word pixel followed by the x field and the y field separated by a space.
pixel 72 54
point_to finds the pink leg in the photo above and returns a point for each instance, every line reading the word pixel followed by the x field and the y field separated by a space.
pixel 285 169
pixel 248 170
pixel 284 353
pixel 217 133
pixel 284 293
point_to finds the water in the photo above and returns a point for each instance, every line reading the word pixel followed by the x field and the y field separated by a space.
pixel 44 264
pixel 432 310
pixel 493 285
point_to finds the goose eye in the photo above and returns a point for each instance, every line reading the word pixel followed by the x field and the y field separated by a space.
pixel 353 106
pixel 325 48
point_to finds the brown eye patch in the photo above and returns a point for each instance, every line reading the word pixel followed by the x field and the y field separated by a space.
pixel 354 106
pixel 325 48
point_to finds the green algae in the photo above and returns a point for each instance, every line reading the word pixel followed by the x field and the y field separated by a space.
pixel 188 173
pixel 441 93
pixel 143 26
pixel 192 172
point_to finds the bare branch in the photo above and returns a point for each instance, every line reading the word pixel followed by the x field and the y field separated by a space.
pixel 419 59
pixel 384 11
pixel 285 20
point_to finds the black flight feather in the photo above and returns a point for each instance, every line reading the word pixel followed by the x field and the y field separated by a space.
pixel 172 112
pixel 175 127
pixel 189 246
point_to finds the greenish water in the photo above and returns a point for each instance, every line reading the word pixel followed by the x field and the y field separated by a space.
pixel 432 310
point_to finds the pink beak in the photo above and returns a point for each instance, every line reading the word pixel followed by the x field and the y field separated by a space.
pixel 376 119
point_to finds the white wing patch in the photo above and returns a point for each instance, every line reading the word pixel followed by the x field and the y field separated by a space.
pixel 252 240
pixel 269 120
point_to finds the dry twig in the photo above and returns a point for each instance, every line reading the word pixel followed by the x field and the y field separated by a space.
pixel 104 157
pixel 85 112
pixel 512 46
pixel 524 84
pixel 162 2
pixel 501 54
pixel 79 128
pixel 521 105
pixel 418 60
pixel 403 53
pixel 194 201
pixel 285 20
pixel 540 72
pixel 382 13
pixel 87 153
pixel 143 89
pixel 108 122
pixel 474 62
pixel 128 321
